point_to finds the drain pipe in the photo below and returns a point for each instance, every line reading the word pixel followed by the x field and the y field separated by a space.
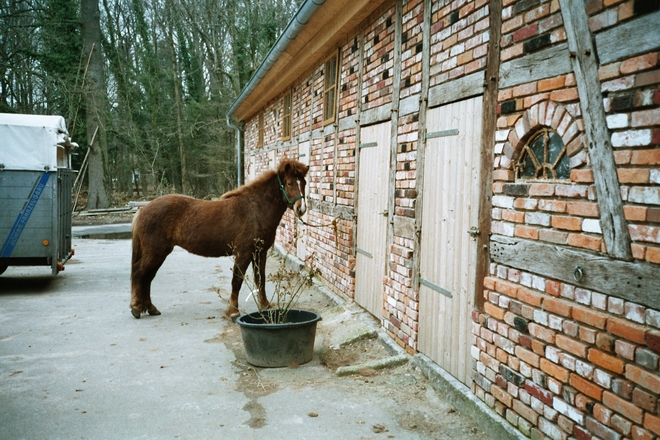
pixel 239 170
pixel 302 17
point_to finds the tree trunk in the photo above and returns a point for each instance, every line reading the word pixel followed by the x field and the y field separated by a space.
pixel 95 94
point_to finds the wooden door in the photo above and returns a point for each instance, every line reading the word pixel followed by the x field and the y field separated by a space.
pixel 372 205
pixel 448 253
pixel 301 243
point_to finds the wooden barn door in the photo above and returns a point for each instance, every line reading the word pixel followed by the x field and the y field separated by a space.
pixel 448 253
pixel 301 244
pixel 372 197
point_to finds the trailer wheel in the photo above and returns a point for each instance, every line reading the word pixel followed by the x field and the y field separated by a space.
pixel 3 268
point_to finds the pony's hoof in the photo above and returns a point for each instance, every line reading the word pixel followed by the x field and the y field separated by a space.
pixel 153 311
pixel 136 313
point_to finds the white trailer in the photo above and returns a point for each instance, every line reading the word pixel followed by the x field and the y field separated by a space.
pixel 35 191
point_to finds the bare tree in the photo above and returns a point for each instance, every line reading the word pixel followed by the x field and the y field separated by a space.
pixel 95 99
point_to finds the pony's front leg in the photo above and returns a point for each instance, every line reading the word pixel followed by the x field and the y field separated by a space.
pixel 259 268
pixel 236 282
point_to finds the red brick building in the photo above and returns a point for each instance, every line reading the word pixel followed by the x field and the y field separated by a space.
pixel 485 177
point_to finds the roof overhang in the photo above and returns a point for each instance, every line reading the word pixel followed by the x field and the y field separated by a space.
pixel 318 27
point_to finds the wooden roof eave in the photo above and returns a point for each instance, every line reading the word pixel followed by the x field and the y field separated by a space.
pixel 329 27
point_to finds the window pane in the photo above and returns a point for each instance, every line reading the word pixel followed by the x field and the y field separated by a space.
pixel 555 149
pixel 529 170
pixel 545 151
pixel 330 72
pixel 537 148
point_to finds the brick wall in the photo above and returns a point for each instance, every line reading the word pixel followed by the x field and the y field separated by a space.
pixel 555 359
pixel 378 53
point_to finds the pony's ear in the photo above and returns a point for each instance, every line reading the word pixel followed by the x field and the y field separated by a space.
pixel 305 169
pixel 288 167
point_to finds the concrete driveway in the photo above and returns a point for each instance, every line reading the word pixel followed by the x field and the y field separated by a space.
pixel 74 363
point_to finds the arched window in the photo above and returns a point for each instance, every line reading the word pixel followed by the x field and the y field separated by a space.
pixel 543 157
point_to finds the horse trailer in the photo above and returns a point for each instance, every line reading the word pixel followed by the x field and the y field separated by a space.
pixel 36 180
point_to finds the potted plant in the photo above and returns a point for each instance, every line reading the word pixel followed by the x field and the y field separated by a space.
pixel 281 335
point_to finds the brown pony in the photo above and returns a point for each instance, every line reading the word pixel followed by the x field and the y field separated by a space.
pixel 230 226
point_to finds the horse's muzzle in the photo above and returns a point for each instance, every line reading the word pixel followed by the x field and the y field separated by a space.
pixel 300 207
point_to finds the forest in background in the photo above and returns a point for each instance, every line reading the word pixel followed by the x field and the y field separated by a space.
pixel 147 83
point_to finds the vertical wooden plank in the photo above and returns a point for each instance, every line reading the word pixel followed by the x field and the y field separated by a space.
pixel 371 221
pixel 301 245
pixel 396 97
pixel 585 66
pixel 447 253
pixel 488 124
pixel 421 141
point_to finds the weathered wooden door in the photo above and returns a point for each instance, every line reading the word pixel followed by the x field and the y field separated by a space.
pixel 448 253
pixel 372 205
pixel 301 244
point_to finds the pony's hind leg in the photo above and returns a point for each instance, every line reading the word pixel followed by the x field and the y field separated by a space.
pixel 142 274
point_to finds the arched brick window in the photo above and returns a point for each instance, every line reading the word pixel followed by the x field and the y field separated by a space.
pixel 543 157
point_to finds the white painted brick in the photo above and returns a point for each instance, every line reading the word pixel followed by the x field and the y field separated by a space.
pixel 554 385
pixel 615 305
pixel 645 195
pixel 555 322
pixel 552 353
pixel 503 228
pixel 599 301
pixel 631 138
pixel 602 378
pixel 653 318
pixel 549 413
pixel 568 291
pixel 526 279
pixel 536 405
pixel 474 352
pixel 481 368
pixel 541 317
pixel 584 369
pixel 654 176
pixel 567 410
pixel 583 296
pixel 619 120
pixel 567 361
pixel 537 218
pixel 538 283
pixel 551 430
pixel 635 312
pixel 525 369
pixel 503 201
pixel 501 135
pixel 591 225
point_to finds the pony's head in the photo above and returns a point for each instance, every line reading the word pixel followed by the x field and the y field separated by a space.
pixel 291 178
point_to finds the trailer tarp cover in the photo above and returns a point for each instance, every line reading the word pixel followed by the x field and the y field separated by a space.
pixel 30 142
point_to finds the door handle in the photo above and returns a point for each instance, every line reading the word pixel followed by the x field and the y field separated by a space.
pixel 474 232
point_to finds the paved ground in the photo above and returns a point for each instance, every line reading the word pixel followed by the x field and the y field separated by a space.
pixel 74 363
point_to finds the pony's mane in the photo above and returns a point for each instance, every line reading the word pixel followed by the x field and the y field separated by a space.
pixel 295 168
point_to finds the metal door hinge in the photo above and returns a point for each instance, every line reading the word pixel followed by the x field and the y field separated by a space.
pixel 474 232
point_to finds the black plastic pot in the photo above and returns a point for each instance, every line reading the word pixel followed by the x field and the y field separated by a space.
pixel 279 345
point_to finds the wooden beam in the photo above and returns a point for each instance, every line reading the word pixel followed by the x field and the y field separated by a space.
pixel 637 282
pixel 381 113
pixel 394 133
pixel 489 124
pixel 457 89
pixel 421 141
pixel 545 63
pixel 585 67
pixel 643 31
